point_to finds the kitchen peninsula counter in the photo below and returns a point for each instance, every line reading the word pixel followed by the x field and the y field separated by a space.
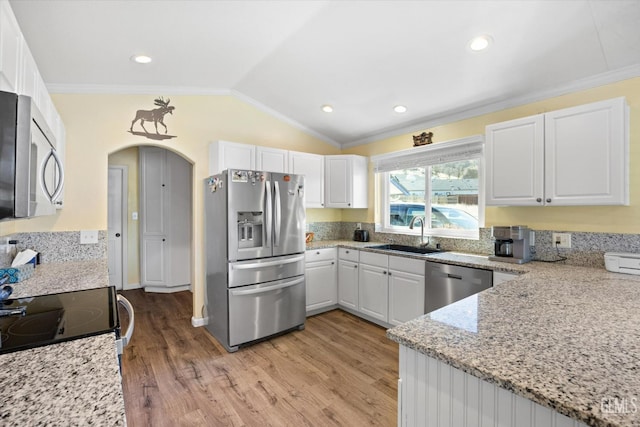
pixel 70 383
pixel 564 337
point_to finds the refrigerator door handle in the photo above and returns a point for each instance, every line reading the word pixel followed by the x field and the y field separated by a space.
pixel 236 293
pixel 253 265
pixel 267 217
pixel 277 213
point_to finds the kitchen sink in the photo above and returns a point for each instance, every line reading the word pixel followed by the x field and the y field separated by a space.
pixel 406 248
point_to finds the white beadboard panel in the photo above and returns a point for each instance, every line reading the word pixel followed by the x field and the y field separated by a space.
pixel 432 393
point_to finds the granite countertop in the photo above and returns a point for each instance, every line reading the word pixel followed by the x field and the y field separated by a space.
pixel 56 277
pixel 74 383
pixel 70 383
pixel 565 337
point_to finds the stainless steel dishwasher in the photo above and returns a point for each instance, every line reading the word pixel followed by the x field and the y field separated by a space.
pixel 446 284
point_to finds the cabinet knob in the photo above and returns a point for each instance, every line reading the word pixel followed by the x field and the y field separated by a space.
pixel 164 240
pixel 355 266
pixel 332 262
pixel 348 204
pixel 384 272
pixel 389 273
pixel 539 199
pixel 548 200
pixel 346 252
pixel 117 234
pixel 318 253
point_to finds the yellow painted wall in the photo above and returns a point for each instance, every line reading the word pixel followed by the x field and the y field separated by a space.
pixel 129 157
pixel 614 219
pixel 97 125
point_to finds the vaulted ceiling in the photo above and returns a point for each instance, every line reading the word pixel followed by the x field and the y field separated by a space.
pixel 361 57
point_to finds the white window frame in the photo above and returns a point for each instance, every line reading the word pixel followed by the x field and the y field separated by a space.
pixel 425 156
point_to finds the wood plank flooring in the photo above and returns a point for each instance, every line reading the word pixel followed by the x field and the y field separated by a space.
pixel 339 371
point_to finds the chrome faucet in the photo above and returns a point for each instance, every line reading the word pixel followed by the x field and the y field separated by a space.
pixel 413 220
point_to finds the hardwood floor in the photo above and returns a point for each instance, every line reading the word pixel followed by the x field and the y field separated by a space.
pixel 339 371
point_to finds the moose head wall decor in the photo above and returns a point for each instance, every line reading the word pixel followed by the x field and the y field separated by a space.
pixel 156 116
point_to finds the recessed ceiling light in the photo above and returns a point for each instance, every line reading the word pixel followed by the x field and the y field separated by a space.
pixel 400 109
pixel 327 108
pixel 480 43
pixel 141 59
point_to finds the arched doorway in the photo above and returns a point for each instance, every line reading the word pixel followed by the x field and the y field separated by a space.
pixel 156 211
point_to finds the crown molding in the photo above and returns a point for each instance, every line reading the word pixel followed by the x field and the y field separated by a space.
pixel 62 88
pixel 479 109
pixel 462 113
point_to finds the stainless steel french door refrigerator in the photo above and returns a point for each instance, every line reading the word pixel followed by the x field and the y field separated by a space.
pixel 255 243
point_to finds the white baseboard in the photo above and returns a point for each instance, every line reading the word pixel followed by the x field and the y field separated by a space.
pixel 163 290
pixel 199 321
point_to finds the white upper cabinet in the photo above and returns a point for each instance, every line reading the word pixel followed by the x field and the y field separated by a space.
pixel 514 155
pixel 312 167
pixel 575 156
pixel 272 159
pixel 231 155
pixel 586 155
pixel 10 49
pixel 19 71
pixel 346 181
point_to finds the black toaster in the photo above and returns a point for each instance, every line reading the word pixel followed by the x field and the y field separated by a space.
pixel 361 235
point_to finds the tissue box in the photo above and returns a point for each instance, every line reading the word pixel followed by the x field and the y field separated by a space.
pixel 17 274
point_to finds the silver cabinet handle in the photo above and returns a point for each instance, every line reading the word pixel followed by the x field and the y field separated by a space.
pixel 539 199
pixel 548 200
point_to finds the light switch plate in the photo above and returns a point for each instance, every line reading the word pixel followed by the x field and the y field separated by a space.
pixel 134 216
pixel 88 237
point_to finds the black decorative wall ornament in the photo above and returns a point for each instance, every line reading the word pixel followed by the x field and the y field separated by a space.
pixel 156 116
pixel 423 139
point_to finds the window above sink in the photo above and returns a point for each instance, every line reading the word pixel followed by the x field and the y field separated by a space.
pixel 442 183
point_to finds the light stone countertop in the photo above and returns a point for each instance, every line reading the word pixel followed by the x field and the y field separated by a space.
pixel 70 383
pixel 566 337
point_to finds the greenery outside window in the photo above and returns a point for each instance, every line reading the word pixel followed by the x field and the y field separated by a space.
pixel 444 179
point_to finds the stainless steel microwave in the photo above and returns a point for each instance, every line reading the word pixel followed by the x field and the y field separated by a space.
pixel 31 172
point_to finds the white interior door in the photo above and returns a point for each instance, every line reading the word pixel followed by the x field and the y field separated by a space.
pixel 116 225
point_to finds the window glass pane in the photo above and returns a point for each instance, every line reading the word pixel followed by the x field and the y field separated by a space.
pixel 454 195
pixel 406 195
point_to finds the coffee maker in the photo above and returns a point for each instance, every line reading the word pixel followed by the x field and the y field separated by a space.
pixel 511 244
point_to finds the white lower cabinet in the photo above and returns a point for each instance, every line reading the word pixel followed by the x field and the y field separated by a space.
pixel 388 290
pixel 373 285
pixel 321 280
pixel 406 289
pixel 348 278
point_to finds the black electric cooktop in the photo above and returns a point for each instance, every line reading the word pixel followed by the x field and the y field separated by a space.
pixel 46 319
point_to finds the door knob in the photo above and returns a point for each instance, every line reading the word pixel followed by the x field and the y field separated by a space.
pixel 117 234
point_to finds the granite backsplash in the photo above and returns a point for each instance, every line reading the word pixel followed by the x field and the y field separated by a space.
pixel 587 249
pixel 58 246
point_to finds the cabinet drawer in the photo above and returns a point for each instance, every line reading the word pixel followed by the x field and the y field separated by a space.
pixel 326 254
pixel 408 265
pixel 348 254
pixel 372 258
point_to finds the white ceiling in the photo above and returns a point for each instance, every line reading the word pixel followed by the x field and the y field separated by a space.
pixel 362 57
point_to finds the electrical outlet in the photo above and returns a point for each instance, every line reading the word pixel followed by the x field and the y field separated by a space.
pixel 532 238
pixel 134 216
pixel 561 240
pixel 88 237
pixel 359 226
